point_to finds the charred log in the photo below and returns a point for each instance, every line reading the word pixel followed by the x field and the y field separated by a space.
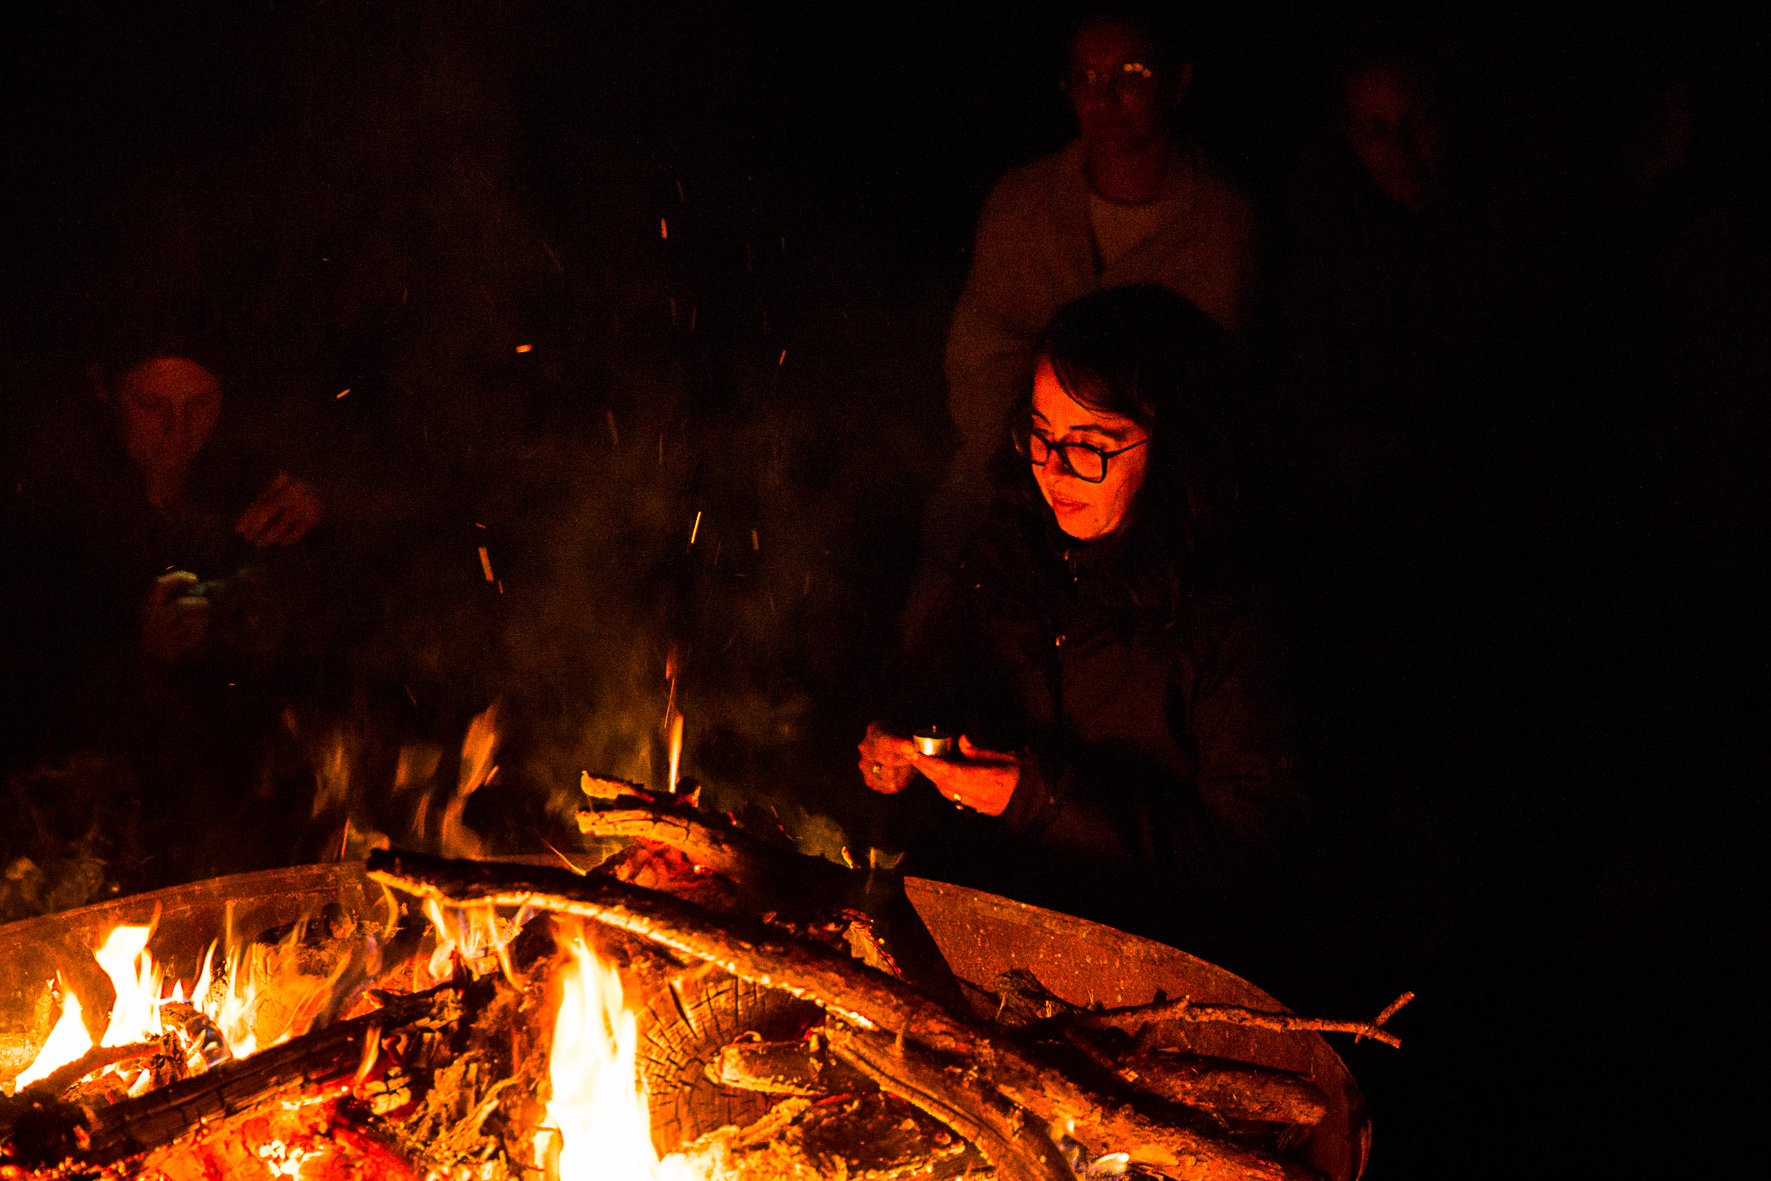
pixel 168 1114
pixel 1010 1138
pixel 782 880
pixel 783 1068
pixel 714 844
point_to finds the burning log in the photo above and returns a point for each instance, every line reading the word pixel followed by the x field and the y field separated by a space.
pixel 1229 1090
pixel 783 881
pixel 1176 1140
pixel 162 1116
pixel 54 1084
pixel 867 1134
pixel 723 848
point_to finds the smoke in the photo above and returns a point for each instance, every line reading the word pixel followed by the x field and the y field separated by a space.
pixel 615 384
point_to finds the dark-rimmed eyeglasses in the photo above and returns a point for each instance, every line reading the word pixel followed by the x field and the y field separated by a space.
pixel 1127 78
pixel 1084 460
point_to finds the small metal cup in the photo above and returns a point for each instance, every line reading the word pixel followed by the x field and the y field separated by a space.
pixel 933 741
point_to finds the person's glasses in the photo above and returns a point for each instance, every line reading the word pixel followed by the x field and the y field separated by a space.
pixel 1085 460
pixel 1127 78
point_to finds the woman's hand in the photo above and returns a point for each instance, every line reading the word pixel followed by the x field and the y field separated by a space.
pixel 980 779
pixel 885 760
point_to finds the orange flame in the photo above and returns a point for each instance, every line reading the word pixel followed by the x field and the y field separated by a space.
pixel 134 1018
pixel 597 1106
pixel 67 1041
pixel 476 768
pixel 676 749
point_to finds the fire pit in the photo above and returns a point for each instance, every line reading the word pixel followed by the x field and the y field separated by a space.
pixel 398 1034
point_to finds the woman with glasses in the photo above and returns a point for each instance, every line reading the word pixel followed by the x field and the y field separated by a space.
pixel 1123 744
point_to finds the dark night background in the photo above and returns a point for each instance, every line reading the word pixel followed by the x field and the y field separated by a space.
pixel 1534 727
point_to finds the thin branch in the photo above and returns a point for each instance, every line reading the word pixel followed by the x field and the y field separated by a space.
pixel 1132 1016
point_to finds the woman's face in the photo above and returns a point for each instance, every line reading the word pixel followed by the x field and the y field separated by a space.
pixel 1085 510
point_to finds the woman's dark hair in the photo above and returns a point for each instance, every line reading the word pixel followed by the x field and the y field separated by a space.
pixel 1152 356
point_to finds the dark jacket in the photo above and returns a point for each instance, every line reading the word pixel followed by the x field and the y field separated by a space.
pixel 1158 790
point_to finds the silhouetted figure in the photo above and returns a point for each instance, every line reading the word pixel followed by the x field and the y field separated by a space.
pixel 1132 200
pixel 181 603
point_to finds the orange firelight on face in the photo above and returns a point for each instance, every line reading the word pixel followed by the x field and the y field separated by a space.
pixel 1085 509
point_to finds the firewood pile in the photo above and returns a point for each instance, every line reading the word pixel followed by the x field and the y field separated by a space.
pixel 796 1021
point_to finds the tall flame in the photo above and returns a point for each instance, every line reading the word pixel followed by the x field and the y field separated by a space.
pixel 67 1041
pixel 597 1105
pixel 125 959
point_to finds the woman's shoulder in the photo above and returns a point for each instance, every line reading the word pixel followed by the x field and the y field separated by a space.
pixel 1227 627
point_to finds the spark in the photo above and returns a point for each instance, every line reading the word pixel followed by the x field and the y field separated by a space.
pixel 486 564
pixel 524 348
pixel 341 393
pixel 570 864
pixel 697 526
pixel 663 228
pixel 783 358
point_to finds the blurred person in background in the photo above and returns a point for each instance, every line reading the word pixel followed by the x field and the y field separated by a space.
pixel 182 592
